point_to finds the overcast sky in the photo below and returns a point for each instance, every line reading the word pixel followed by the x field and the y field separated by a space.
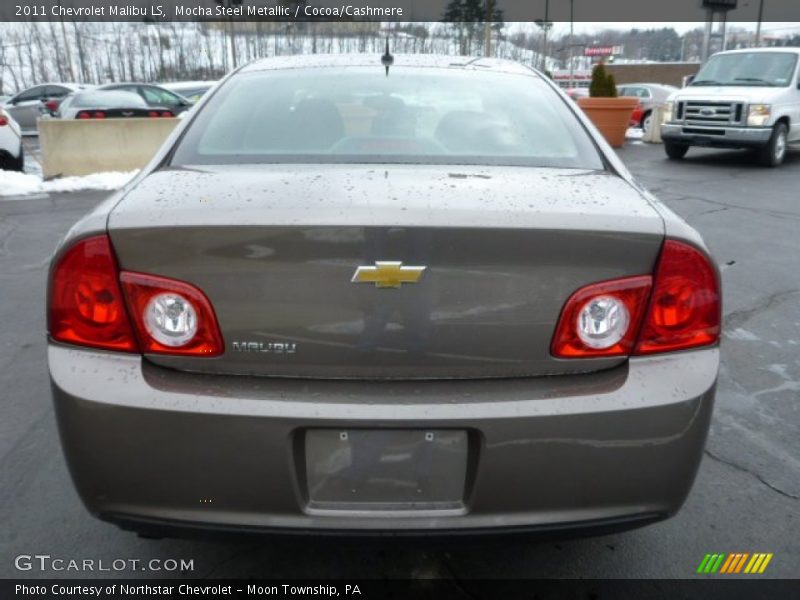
pixel 779 28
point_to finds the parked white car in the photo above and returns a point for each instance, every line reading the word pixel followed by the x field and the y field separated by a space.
pixel 739 99
pixel 11 152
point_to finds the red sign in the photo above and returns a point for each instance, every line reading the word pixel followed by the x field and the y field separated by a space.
pixel 598 51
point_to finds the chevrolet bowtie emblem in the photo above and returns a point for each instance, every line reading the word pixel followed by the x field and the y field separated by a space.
pixel 387 274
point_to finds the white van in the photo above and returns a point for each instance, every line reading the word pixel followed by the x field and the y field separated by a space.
pixel 739 99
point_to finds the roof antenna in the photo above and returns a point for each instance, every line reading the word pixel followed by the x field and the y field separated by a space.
pixel 387 60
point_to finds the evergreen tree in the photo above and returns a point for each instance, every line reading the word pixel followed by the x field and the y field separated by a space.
pixel 602 84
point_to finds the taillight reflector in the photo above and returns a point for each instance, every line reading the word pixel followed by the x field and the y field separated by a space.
pixel 148 293
pixel 630 292
pixel 675 309
pixel 86 306
pixel 92 304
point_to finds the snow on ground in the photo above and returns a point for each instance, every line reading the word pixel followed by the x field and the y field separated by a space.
pixel 23 184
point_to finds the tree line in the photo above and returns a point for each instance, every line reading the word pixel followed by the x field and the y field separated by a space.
pixel 94 53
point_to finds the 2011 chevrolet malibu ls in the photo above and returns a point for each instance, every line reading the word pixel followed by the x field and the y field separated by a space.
pixel 354 295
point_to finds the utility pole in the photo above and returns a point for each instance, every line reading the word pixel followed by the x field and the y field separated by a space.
pixel 546 27
pixel 724 30
pixel 571 42
pixel 707 36
pixel 487 29
pixel 758 26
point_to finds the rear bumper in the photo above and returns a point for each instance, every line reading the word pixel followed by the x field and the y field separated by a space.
pixel 151 448
pixel 722 137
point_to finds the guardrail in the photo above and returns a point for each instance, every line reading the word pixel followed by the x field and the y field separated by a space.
pixel 77 147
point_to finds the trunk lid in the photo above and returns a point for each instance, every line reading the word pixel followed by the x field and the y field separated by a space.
pixel 275 248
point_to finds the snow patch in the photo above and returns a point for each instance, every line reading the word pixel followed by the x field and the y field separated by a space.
pixel 24 184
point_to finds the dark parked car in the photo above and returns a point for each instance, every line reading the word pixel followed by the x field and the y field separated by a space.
pixel 30 104
pixel 108 104
pixel 153 95
pixel 347 296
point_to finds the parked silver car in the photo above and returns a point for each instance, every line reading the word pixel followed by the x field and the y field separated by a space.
pixel 30 104
pixel 650 95
pixel 361 295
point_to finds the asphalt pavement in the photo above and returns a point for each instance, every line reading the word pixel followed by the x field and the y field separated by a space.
pixel 745 499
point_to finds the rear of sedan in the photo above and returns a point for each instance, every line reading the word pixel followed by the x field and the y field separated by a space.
pixel 417 301
pixel 108 104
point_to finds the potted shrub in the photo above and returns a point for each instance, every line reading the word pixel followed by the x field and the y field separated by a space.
pixel 609 113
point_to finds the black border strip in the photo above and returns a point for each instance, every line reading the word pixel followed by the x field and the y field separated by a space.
pixel 600 11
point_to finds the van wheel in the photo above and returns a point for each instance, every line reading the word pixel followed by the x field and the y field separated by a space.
pixel 675 151
pixel 774 152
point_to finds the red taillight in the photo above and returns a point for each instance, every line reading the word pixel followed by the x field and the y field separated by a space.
pixel 3 120
pixel 190 329
pixel 51 105
pixel 685 308
pixel 84 115
pixel 152 114
pixel 86 304
pixel 99 115
pixel 627 296
pixel 676 309
pixel 88 307
pixel 166 113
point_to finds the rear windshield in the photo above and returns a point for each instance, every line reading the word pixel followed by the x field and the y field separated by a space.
pixel 413 115
pixel 108 100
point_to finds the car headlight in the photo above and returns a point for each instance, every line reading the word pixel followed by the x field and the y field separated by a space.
pixel 669 108
pixel 758 115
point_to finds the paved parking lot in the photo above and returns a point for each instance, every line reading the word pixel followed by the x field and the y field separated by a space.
pixel 747 493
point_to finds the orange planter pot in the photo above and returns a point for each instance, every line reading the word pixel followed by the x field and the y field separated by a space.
pixel 610 115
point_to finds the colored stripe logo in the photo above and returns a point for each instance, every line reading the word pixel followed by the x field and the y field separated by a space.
pixel 733 563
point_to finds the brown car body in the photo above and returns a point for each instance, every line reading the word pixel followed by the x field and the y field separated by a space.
pixel 340 406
